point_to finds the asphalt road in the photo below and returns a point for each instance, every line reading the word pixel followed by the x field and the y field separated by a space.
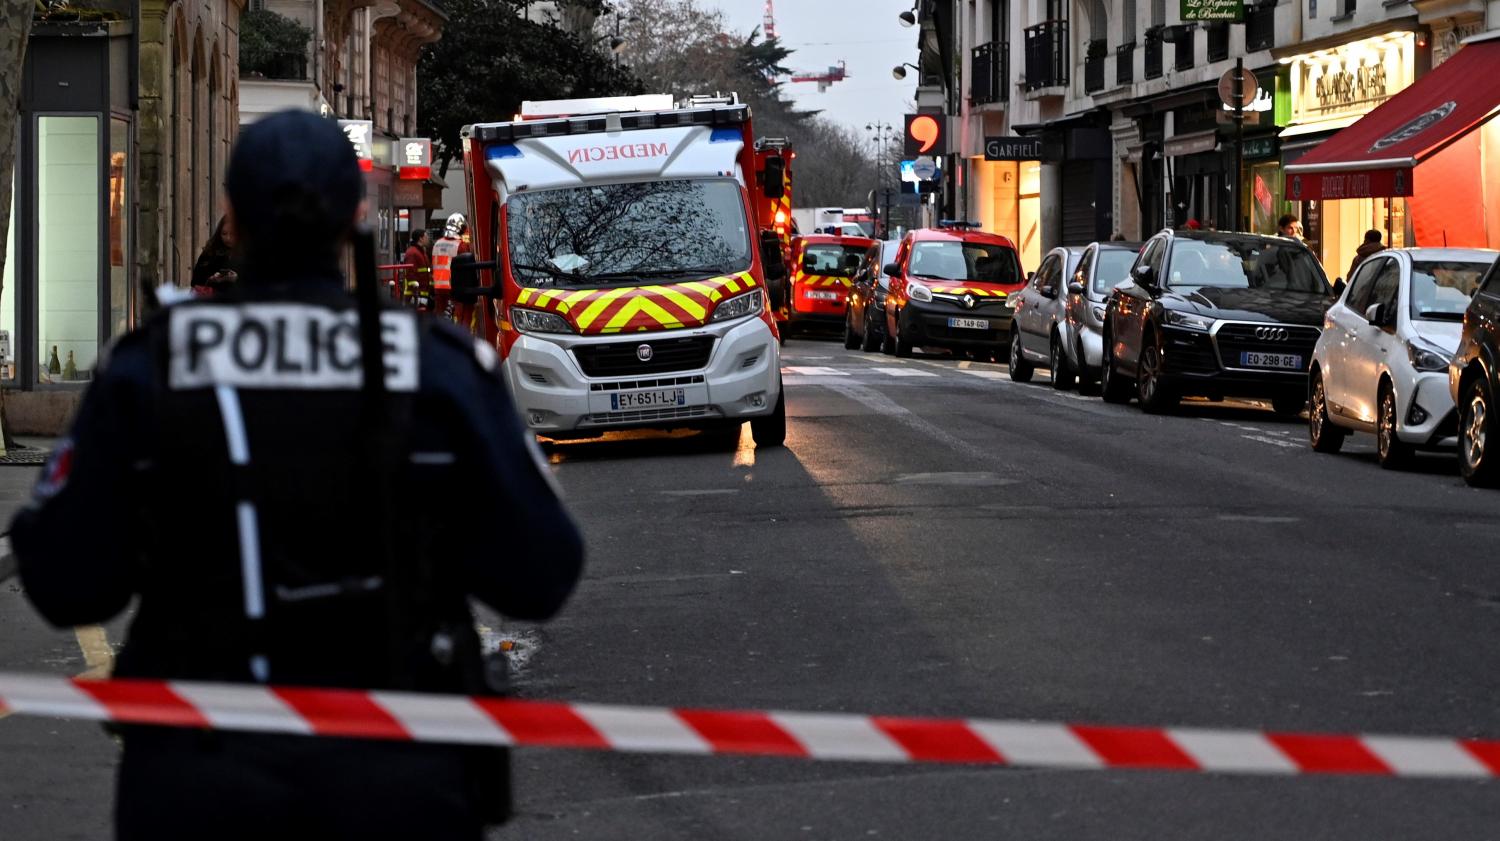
pixel 936 540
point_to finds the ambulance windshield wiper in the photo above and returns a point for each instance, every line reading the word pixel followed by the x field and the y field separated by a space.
pixel 696 271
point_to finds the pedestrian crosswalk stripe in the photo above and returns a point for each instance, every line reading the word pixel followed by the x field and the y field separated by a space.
pixel 815 371
pixel 903 372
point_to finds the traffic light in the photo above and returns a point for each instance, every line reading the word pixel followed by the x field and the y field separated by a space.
pixel 925 135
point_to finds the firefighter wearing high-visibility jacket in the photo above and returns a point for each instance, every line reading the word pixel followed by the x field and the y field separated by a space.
pixel 443 251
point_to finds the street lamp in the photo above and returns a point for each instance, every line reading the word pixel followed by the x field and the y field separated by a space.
pixel 618 42
pixel 909 17
pixel 899 71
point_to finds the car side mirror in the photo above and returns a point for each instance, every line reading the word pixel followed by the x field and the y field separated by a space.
pixel 1338 287
pixel 1375 314
pixel 1048 291
pixel 1030 276
pixel 1075 287
pixel 1144 276
pixel 891 270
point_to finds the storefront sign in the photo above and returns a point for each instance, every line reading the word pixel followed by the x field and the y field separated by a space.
pixel 1359 184
pixel 414 158
pixel 925 135
pixel 361 134
pixel 1230 10
pixel 1191 144
pixel 407 193
pixel 1013 148
pixel 1352 79
pixel 1259 147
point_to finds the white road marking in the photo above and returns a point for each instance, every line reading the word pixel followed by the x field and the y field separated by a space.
pixel 987 374
pixel 814 371
pixel 1253 518
pixel 903 372
pixel 1276 441
pixel 703 492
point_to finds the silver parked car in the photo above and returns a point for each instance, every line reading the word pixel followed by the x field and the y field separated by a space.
pixel 1104 266
pixel 1039 331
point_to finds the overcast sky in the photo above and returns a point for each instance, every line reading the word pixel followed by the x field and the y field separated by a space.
pixel 866 34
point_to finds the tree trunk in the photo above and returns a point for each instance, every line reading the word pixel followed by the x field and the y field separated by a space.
pixel 15 29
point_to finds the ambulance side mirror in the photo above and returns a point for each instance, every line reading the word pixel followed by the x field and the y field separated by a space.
pixel 775 178
pixel 466 288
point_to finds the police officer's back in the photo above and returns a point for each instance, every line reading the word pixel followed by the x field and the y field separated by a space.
pixel 282 523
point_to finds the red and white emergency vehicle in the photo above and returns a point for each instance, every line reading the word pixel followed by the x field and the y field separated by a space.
pixel 823 270
pixel 773 208
pixel 623 255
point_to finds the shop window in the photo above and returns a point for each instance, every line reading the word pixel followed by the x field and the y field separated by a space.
pixel 67 247
pixel 8 293
pixel 121 296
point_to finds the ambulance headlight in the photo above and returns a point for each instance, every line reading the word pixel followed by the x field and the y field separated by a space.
pixel 750 303
pixel 536 321
pixel 918 292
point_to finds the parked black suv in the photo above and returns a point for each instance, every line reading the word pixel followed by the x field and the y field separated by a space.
pixel 1214 314
pixel 1474 380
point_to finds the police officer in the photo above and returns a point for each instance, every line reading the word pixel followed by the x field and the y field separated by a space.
pixel 246 470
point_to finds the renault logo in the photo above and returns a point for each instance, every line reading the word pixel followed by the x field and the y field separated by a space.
pixel 968 301
pixel 1271 334
pixel 644 353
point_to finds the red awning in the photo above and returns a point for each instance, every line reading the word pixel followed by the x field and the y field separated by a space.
pixel 1376 155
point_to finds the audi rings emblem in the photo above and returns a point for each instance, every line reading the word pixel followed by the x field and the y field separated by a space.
pixel 644 353
pixel 1272 334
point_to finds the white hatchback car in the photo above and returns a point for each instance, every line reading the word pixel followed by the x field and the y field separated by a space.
pixel 1381 364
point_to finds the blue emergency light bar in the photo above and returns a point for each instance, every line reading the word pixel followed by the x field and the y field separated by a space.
pixel 728 115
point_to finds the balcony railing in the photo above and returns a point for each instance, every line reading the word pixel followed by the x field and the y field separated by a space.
pixel 1047 55
pixel 1182 50
pixel 1218 41
pixel 1125 64
pixel 990 68
pixel 1260 27
pixel 1153 50
pixel 1093 66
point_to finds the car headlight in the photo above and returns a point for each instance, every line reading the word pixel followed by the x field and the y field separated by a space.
pixel 1188 321
pixel 750 303
pixel 1425 357
pixel 536 321
pixel 918 292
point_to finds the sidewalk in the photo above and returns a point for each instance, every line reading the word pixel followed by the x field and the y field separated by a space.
pixel 15 489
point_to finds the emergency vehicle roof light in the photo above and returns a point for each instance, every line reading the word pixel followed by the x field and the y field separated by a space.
pixel 777 143
pixel 726 115
pixel 955 223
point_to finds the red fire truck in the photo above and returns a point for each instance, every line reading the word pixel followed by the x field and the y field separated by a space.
pixel 618 241
pixel 773 209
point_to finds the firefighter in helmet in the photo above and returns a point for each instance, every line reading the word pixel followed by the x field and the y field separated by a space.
pixel 444 250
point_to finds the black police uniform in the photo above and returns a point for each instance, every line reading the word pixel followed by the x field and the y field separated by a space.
pixel 219 470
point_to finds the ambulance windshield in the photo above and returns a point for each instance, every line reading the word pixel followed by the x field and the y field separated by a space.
pixel 606 234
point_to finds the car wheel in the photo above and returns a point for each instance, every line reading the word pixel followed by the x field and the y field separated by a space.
pixel 770 431
pixel 887 345
pixel 868 340
pixel 1152 389
pixel 850 342
pixel 903 347
pixel 1393 452
pixel 1324 436
pixel 1020 369
pixel 1477 461
pixel 1062 373
pixel 1113 387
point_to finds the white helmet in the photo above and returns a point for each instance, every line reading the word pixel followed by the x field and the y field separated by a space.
pixel 456 225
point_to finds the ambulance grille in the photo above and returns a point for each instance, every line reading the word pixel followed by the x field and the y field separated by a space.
pixel 623 359
pixel 649 416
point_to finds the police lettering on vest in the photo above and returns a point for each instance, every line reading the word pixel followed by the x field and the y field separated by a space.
pixel 284 346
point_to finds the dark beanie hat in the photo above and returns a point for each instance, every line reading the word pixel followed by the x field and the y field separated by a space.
pixel 294 183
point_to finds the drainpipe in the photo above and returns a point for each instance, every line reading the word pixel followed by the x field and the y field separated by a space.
pixel 318 48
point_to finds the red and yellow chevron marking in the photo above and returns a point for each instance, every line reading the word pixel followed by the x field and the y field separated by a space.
pixel 817 280
pixel 976 291
pixel 636 309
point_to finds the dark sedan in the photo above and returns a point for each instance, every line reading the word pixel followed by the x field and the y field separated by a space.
pixel 1214 314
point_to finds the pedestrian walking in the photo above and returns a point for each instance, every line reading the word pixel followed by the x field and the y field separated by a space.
pixel 291 509
pixel 215 267
pixel 1289 226
pixel 1371 245
pixel 419 270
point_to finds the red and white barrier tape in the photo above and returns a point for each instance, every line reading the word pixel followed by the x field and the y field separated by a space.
pixel 405 716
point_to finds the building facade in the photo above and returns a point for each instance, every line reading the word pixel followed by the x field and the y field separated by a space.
pixel 1076 120
pixel 358 64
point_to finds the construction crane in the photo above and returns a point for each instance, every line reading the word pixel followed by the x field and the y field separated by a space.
pixel 834 73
